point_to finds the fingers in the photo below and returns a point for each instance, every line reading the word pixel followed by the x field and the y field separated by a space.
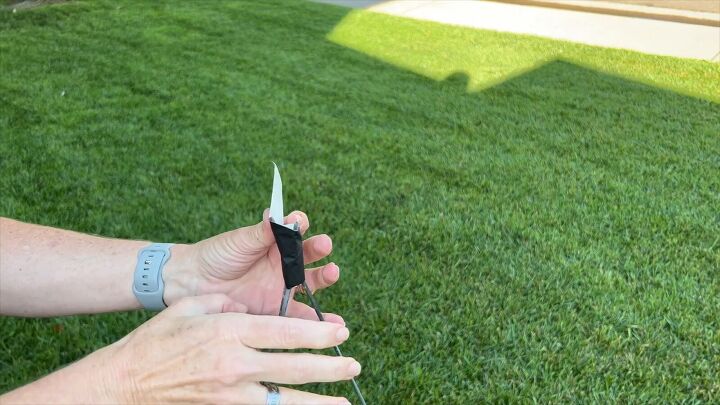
pixel 206 304
pixel 289 396
pixel 299 310
pixel 248 240
pixel 301 217
pixel 260 236
pixel 257 238
pixel 322 277
pixel 316 247
pixel 303 368
pixel 274 332
pixel 296 216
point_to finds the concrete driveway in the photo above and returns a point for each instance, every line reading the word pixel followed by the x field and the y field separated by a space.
pixel 646 35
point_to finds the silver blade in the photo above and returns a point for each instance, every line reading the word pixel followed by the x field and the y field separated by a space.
pixel 276 203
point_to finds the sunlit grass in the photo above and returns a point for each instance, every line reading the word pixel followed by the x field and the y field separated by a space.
pixel 487 58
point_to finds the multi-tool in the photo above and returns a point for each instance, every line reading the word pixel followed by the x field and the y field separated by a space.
pixel 289 243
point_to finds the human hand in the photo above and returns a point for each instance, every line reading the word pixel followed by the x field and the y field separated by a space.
pixel 245 265
pixel 198 350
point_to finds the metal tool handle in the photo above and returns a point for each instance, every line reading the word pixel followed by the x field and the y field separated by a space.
pixel 283 312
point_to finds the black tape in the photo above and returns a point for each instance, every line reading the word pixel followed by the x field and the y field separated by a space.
pixel 289 243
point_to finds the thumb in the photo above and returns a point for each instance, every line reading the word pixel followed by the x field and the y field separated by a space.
pixel 206 304
pixel 255 238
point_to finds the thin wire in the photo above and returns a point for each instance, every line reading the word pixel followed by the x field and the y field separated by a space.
pixel 316 307
pixel 284 302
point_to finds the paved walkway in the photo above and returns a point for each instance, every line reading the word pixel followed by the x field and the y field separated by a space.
pixel 639 34
pixel 711 6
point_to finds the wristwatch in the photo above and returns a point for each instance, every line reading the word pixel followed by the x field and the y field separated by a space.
pixel 148 285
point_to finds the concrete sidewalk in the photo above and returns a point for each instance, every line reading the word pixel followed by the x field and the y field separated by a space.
pixel 613 31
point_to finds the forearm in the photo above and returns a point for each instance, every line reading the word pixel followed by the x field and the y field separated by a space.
pixel 88 381
pixel 47 272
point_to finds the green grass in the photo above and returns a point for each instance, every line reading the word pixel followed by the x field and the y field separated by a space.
pixel 516 219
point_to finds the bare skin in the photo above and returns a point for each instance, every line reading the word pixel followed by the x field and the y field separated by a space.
pixel 49 272
pixel 201 351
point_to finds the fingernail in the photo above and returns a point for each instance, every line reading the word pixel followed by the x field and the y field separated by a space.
pixel 333 273
pixel 345 402
pixel 343 334
pixel 354 368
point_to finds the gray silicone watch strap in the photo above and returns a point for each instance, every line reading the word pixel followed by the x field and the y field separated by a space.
pixel 148 283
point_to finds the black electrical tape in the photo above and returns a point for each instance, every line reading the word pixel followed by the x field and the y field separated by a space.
pixel 289 243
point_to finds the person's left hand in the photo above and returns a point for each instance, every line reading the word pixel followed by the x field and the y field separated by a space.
pixel 245 265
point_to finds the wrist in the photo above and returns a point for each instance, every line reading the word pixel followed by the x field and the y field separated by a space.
pixel 95 379
pixel 180 274
pixel 107 376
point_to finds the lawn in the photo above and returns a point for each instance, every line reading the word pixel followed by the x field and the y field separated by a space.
pixel 516 219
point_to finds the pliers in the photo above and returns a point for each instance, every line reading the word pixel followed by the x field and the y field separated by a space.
pixel 289 243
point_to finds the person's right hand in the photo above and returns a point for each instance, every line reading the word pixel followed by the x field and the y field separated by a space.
pixel 202 350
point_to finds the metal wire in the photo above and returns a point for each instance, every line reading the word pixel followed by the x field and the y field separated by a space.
pixel 316 307
pixel 285 301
